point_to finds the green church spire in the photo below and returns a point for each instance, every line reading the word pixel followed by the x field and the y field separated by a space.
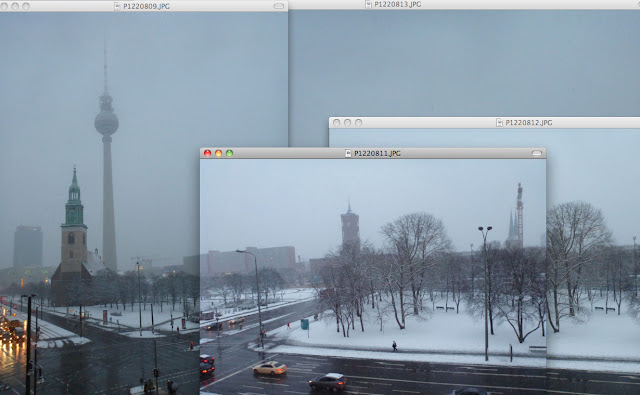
pixel 74 208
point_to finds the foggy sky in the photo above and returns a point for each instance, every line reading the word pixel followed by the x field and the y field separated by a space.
pixel 460 63
pixel 594 165
pixel 179 81
pixel 298 202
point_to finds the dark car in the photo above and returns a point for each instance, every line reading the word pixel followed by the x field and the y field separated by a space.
pixel 216 326
pixel 206 358
pixel 330 381
pixel 471 391
pixel 206 370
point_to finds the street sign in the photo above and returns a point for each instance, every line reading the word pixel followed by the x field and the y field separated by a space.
pixel 304 324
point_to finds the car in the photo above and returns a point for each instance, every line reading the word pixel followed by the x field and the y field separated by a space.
pixel 470 391
pixel 331 381
pixel 18 333
pixel 236 320
pixel 272 367
pixel 6 337
pixel 206 358
pixel 206 369
pixel 216 326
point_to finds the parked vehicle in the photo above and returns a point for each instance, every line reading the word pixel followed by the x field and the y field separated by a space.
pixel 331 381
pixel 272 367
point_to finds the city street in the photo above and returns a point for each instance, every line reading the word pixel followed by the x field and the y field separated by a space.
pixel 109 364
pixel 234 360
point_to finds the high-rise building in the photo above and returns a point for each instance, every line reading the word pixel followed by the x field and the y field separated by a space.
pixel 106 123
pixel 350 228
pixel 27 247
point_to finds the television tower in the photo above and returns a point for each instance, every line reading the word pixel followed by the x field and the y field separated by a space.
pixel 519 210
pixel 106 123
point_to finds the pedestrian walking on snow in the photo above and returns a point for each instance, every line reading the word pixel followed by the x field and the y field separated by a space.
pixel 395 347
pixel 288 327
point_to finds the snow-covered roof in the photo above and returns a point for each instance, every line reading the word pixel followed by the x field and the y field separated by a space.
pixel 93 264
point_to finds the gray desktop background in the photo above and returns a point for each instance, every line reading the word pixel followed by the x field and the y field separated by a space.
pixel 178 81
pixel 599 166
pixel 459 63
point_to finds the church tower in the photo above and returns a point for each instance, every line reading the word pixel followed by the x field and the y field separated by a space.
pixel 70 276
pixel 350 228
pixel 74 231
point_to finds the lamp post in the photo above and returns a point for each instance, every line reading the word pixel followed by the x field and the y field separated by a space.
pixel 28 358
pixel 139 297
pixel 486 292
pixel 255 261
pixel 635 263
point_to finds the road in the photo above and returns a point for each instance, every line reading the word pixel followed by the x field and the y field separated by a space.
pixel 234 360
pixel 109 364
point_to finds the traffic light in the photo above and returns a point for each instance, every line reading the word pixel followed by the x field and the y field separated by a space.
pixel 156 373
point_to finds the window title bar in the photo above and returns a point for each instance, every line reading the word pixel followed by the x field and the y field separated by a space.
pixel 145 6
pixel 409 5
pixel 227 153
pixel 484 122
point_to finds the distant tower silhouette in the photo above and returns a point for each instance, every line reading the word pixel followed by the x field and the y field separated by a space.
pixel 350 228
pixel 106 124
pixel 515 238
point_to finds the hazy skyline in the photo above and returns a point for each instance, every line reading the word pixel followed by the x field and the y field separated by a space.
pixel 460 63
pixel 598 166
pixel 298 202
pixel 178 81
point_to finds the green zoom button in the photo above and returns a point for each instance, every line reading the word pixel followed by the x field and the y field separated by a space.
pixel 229 153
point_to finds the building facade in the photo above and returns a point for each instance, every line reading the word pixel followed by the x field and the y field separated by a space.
pixel 27 247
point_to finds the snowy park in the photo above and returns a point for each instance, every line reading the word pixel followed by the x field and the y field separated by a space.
pixel 127 322
pixel 245 303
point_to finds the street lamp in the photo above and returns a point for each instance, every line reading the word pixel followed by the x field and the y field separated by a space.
pixel 635 263
pixel 486 293
pixel 139 298
pixel 255 261
pixel 29 362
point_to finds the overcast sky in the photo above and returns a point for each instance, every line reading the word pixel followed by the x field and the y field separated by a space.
pixel 179 81
pixel 460 63
pixel 298 202
pixel 593 165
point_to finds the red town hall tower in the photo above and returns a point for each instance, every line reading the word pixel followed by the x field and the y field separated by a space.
pixel 350 229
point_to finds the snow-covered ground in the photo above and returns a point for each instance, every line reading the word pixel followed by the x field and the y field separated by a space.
pixel 603 336
pixel 443 337
pixel 51 335
pixel 606 342
pixel 128 323
pixel 287 297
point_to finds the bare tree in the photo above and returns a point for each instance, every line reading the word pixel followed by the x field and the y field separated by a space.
pixel 414 240
pixel 576 233
pixel 518 285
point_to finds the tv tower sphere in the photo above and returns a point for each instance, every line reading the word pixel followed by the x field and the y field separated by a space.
pixel 106 121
